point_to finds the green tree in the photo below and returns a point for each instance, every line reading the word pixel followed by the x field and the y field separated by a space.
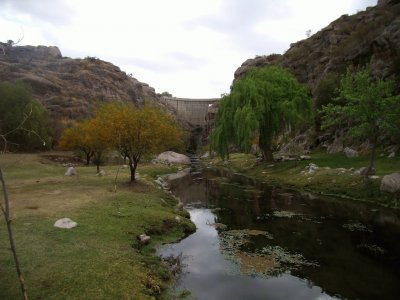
pixel 261 105
pixel 327 89
pixel 137 132
pixel 366 106
pixel 23 120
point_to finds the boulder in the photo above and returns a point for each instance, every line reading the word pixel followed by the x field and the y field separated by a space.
pixel 71 171
pixel 66 223
pixel 350 153
pixel 101 173
pixel 391 183
pixel 207 154
pixel 312 168
pixel 362 171
pixel 171 157
pixel 144 239
pixel 392 155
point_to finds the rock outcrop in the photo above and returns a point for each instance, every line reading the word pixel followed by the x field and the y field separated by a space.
pixel 371 36
pixel 70 88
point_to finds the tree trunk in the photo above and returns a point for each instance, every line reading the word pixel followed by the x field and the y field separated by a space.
pixel 372 158
pixel 87 158
pixel 132 167
pixel 98 168
pixel 266 153
pixel 6 212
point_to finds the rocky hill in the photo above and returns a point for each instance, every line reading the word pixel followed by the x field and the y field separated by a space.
pixel 368 37
pixel 69 88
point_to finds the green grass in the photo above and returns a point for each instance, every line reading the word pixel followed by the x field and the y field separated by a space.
pixel 99 259
pixel 330 179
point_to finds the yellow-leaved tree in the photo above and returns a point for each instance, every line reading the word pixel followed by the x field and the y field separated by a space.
pixel 137 132
pixel 77 137
pixel 89 136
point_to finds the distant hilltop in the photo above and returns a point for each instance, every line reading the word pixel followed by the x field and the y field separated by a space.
pixel 69 88
pixel 368 37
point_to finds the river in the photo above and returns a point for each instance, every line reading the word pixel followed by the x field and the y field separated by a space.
pixel 254 241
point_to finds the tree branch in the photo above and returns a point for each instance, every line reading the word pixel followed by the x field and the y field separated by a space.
pixel 6 212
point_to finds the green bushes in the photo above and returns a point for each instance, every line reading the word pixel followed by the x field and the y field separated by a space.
pixel 24 122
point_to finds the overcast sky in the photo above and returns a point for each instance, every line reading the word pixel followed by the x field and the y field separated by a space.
pixel 189 48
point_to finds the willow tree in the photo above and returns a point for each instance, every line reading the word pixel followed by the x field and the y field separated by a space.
pixel 137 132
pixel 261 106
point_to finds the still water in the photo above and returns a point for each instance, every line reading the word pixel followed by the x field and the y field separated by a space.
pixel 254 241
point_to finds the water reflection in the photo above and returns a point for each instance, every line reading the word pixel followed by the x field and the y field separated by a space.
pixel 353 263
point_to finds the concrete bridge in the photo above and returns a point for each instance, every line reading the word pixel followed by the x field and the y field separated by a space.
pixel 194 111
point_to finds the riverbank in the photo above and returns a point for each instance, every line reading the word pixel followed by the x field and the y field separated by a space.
pixel 336 175
pixel 101 258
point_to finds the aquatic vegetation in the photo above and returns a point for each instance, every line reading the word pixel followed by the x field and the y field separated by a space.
pixel 356 227
pixel 282 214
pixel 372 248
pixel 285 214
pixel 268 261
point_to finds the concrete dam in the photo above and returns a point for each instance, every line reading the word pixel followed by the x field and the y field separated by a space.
pixel 194 111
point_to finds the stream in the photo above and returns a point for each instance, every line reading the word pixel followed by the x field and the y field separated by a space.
pixel 254 241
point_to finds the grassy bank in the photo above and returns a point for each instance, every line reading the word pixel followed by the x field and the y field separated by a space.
pixel 335 175
pixel 101 258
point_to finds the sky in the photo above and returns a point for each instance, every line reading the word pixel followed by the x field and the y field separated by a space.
pixel 190 48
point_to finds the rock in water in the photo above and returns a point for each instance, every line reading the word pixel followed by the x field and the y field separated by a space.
pixel 65 223
pixel 391 183
pixel 171 157
pixel 71 171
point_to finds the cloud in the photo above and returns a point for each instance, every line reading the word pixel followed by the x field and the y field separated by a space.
pixel 56 12
pixel 172 62
pixel 238 20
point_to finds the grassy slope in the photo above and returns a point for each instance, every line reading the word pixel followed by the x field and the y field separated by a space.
pixel 100 258
pixel 329 178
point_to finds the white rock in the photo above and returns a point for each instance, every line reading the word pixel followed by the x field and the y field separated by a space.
pixel 350 153
pixel 305 157
pixel 392 155
pixel 207 154
pixel 144 239
pixel 391 183
pixel 312 168
pixel 173 158
pixel 101 173
pixel 70 172
pixel 65 223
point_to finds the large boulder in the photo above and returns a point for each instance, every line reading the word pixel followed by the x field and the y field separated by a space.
pixel 350 153
pixel 171 157
pixel 391 183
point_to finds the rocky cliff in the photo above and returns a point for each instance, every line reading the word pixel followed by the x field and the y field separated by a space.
pixel 69 88
pixel 368 37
